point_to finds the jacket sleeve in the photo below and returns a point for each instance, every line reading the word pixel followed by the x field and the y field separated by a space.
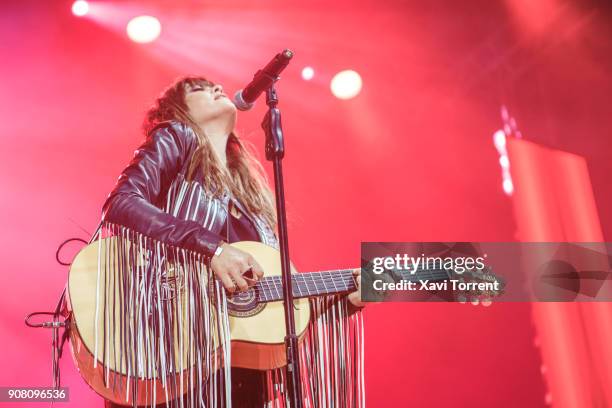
pixel 140 192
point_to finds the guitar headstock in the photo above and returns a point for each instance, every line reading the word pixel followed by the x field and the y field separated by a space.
pixel 469 288
pixel 476 286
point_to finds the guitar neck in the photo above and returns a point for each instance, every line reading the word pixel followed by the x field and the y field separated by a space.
pixel 312 284
pixel 308 284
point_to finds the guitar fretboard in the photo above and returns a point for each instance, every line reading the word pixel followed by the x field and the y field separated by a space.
pixel 331 282
pixel 309 284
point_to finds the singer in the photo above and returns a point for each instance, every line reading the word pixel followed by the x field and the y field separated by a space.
pixel 192 184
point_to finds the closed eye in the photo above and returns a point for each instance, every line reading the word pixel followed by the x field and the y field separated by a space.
pixel 198 88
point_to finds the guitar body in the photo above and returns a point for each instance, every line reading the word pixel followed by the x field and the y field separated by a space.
pixel 258 334
pixel 257 329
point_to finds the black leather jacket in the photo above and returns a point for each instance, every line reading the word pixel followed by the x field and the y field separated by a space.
pixel 153 197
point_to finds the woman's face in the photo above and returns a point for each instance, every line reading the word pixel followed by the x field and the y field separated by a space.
pixel 208 102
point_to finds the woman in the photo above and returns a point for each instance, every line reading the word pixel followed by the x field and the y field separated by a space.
pixel 191 189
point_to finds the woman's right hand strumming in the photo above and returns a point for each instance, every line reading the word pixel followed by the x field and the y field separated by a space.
pixel 230 267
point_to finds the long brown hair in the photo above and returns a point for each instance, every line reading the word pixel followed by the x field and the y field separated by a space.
pixel 246 181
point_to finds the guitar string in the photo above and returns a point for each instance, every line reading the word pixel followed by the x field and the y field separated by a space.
pixel 316 283
pixel 319 283
pixel 317 278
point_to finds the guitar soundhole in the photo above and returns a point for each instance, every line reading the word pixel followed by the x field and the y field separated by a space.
pixel 244 304
pixel 170 282
pixel 171 279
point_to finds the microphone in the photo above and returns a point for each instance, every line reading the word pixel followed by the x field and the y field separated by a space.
pixel 263 79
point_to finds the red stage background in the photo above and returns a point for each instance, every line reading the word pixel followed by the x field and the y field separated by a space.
pixel 409 159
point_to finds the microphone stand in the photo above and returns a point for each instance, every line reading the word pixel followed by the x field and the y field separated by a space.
pixel 275 151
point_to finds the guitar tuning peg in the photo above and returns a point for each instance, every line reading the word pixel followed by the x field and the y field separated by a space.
pixel 486 302
pixel 474 301
pixel 461 299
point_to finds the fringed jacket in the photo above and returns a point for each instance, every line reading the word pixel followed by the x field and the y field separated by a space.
pixel 176 220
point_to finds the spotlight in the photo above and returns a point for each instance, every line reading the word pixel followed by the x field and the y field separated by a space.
pixel 307 73
pixel 80 8
pixel 346 84
pixel 143 29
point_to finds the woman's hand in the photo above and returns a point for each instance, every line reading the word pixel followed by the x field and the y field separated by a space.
pixel 230 265
pixel 355 297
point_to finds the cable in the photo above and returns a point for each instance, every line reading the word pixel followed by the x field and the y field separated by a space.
pixel 55 324
pixel 62 245
pixel 46 325
pixel 57 344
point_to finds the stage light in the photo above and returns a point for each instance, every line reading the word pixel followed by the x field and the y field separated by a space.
pixel 499 139
pixel 80 8
pixel 143 29
pixel 346 84
pixel 504 161
pixel 307 73
pixel 508 186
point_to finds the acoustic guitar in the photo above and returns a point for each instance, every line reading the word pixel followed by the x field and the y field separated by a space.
pixel 256 317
